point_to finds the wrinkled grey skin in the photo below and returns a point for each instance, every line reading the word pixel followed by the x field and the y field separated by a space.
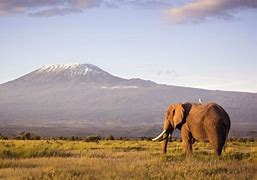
pixel 197 122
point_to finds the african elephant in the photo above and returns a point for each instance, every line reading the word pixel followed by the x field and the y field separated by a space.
pixel 197 122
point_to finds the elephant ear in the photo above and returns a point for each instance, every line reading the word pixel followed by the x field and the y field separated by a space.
pixel 178 115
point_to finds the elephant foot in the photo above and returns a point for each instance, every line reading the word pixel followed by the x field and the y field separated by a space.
pixel 188 150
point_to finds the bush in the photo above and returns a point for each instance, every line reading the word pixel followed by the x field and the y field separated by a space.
pixel 27 136
pixel 242 140
pixel 72 138
pixel 3 137
pixel 145 139
pixel 120 138
pixel 251 140
pixel 93 138
pixel 109 137
pixel 60 138
pixel 37 137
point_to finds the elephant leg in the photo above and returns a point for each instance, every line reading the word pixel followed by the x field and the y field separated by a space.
pixel 221 141
pixel 187 139
pixel 217 149
pixel 217 139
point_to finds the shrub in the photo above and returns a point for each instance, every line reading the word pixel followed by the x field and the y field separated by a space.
pixel 120 138
pixel 251 139
pixel 61 138
pixel 27 136
pixel 242 140
pixel 3 137
pixel 37 137
pixel 72 138
pixel 145 139
pixel 93 138
pixel 109 137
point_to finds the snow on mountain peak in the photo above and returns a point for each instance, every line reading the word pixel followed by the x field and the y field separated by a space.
pixel 71 69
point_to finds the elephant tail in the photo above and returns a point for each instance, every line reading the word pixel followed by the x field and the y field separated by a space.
pixel 226 130
pixel 225 144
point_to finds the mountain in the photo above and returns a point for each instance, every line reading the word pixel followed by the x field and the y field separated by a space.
pixel 80 99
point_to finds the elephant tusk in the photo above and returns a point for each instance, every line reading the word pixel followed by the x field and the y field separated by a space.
pixel 158 137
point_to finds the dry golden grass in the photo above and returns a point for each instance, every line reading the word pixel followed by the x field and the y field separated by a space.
pixel 123 160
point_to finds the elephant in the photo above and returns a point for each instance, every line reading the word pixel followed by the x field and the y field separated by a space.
pixel 197 122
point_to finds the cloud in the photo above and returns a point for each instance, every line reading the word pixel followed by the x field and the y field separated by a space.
pixel 56 12
pixel 193 11
pixel 167 73
pixel 63 7
pixel 201 10
pixel 144 4
pixel 152 4
pixel 46 7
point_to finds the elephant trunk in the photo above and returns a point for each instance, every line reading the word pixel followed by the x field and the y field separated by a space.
pixel 165 143
pixel 166 137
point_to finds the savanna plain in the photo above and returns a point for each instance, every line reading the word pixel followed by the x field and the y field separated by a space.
pixel 123 159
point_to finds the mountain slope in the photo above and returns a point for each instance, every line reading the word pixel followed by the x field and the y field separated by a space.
pixel 87 99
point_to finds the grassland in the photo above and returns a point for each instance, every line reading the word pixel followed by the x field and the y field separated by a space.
pixel 49 159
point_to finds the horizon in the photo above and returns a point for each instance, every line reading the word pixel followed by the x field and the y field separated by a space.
pixel 182 43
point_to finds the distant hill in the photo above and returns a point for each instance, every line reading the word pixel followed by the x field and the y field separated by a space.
pixel 79 99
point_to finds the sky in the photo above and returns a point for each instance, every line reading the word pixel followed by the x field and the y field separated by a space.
pixel 194 43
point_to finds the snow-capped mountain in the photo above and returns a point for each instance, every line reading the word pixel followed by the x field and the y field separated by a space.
pixel 72 70
pixel 59 73
pixel 77 99
pixel 86 74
